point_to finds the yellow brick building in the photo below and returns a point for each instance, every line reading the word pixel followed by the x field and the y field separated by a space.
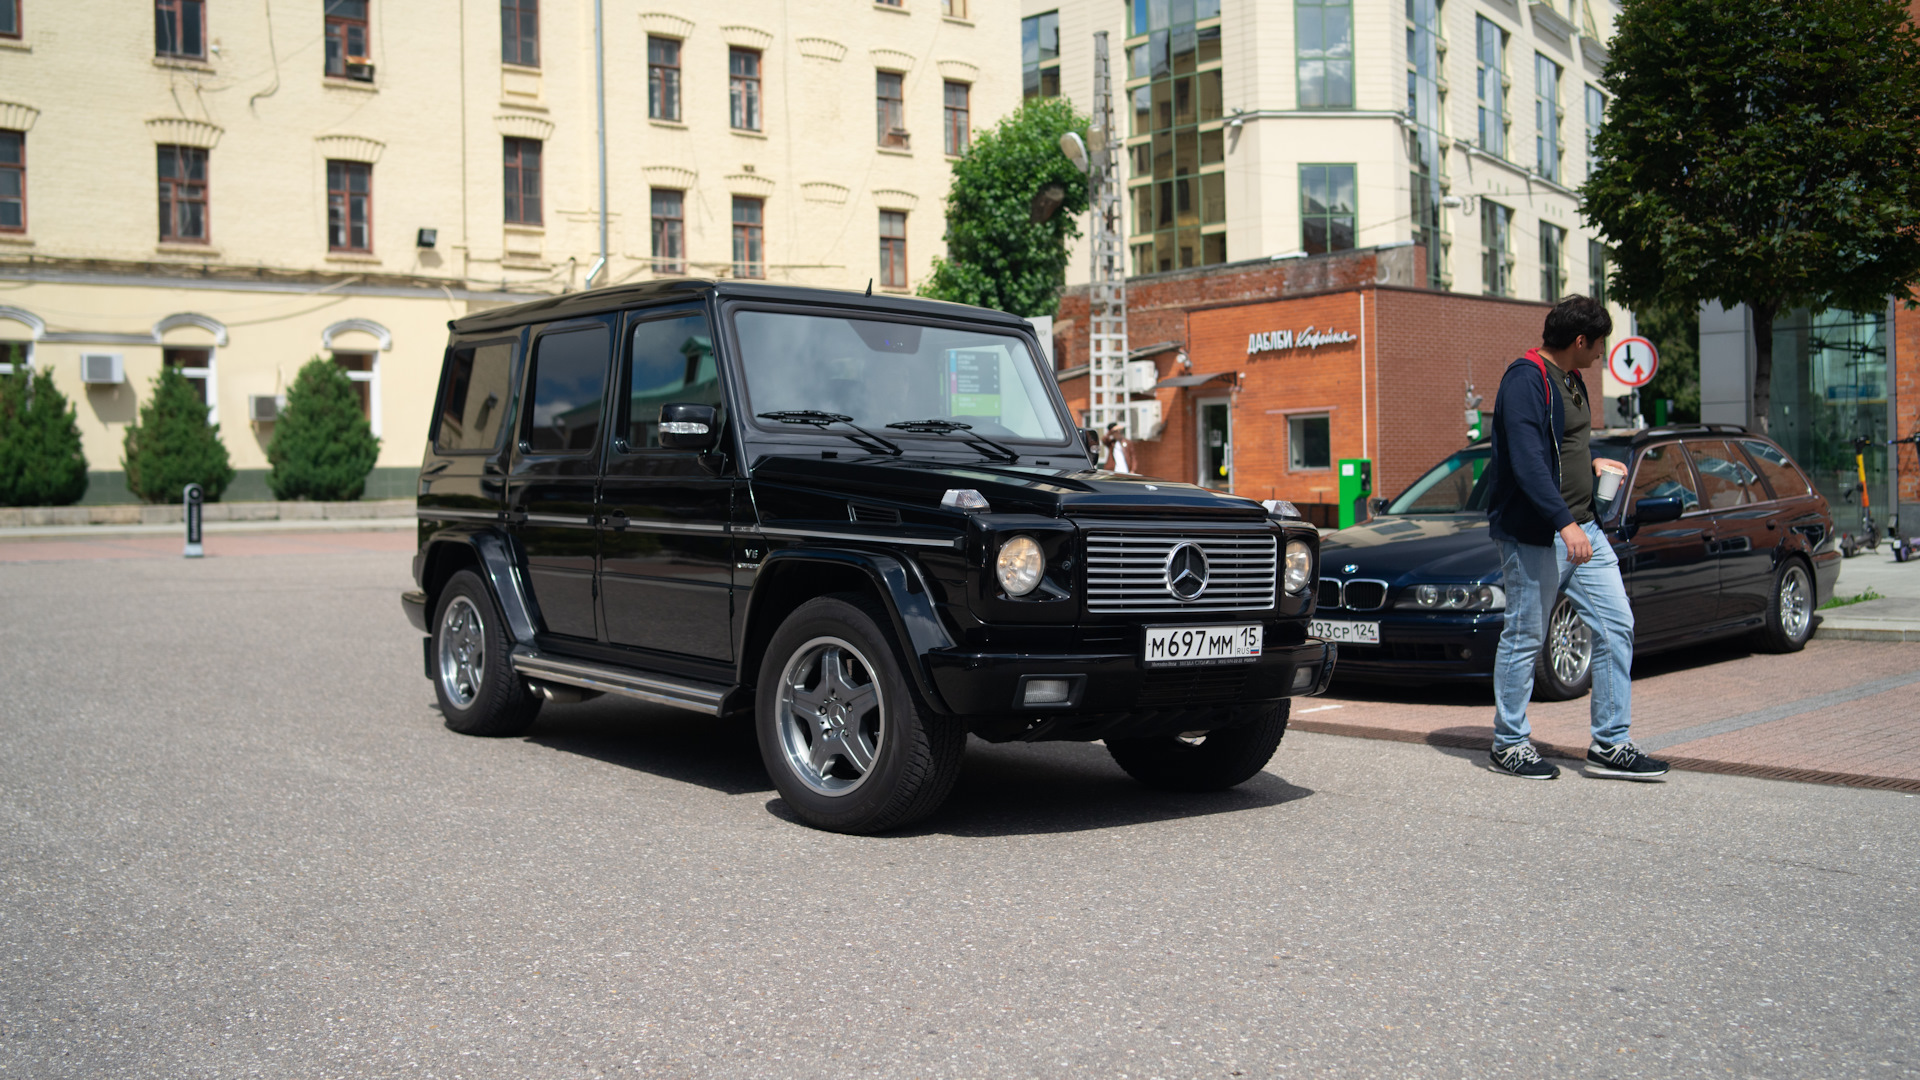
pixel 234 188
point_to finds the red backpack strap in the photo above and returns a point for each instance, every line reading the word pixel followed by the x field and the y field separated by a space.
pixel 1545 383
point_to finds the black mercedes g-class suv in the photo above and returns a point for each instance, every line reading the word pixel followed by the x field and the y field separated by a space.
pixel 866 522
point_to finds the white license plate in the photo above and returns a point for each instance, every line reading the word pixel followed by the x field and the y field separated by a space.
pixel 1359 633
pixel 1181 645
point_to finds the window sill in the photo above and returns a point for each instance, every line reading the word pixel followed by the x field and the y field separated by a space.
pixel 204 251
pixel 892 152
pixel 956 20
pixel 17 239
pixel 341 82
pixel 15 44
pixel 672 125
pixel 520 69
pixel 183 63
pixel 525 229
pixel 897 9
pixel 352 257
pixel 746 134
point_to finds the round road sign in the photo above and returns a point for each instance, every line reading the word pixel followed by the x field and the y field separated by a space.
pixel 1633 361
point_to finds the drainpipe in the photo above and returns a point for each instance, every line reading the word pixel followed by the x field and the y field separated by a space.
pixel 600 94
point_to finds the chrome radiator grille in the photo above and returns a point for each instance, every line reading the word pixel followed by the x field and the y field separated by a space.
pixel 1127 572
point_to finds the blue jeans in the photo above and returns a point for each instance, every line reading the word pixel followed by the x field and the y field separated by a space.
pixel 1534 575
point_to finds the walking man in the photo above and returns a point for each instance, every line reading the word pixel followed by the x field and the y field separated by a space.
pixel 1540 511
pixel 1119 448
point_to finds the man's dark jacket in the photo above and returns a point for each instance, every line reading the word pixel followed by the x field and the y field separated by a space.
pixel 1524 503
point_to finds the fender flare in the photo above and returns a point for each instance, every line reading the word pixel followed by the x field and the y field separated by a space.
pixel 501 571
pixel 902 590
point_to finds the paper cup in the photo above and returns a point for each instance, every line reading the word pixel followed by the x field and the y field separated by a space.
pixel 1607 483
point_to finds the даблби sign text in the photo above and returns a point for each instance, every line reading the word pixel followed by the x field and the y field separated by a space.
pixel 1287 340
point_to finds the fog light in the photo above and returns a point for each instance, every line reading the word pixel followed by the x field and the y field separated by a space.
pixel 1303 678
pixel 1046 692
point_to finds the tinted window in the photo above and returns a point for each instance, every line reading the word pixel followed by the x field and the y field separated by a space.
pixel 671 362
pixel 1663 471
pixel 1781 474
pixel 1725 479
pixel 569 379
pixel 473 401
pixel 1451 487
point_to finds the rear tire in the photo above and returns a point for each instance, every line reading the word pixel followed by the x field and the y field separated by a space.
pixel 842 732
pixel 1213 761
pixel 1564 670
pixel 1790 611
pixel 473 676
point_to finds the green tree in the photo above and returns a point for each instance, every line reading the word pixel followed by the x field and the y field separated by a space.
pixel 1675 332
pixel 1761 153
pixel 322 446
pixel 41 463
pixel 997 256
pixel 172 444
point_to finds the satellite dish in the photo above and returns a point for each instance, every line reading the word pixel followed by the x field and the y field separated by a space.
pixel 1046 202
pixel 1076 150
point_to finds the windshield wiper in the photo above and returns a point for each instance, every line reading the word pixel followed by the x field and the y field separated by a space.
pixel 821 419
pixel 948 427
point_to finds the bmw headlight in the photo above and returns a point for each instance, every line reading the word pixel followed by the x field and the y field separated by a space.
pixel 1020 565
pixel 1299 569
pixel 1455 596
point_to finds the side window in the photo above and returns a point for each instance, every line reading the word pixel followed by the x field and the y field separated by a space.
pixel 1782 476
pixel 1725 479
pixel 473 397
pixel 1663 471
pixel 671 362
pixel 569 381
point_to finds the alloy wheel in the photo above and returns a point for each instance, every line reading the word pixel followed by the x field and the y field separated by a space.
pixel 462 652
pixel 831 716
pixel 1569 644
pixel 1796 602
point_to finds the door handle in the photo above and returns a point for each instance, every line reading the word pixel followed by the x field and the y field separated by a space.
pixel 1773 523
pixel 616 519
pixel 515 517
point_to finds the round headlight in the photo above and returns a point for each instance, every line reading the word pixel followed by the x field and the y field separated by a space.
pixel 1299 566
pixel 1427 595
pixel 1020 565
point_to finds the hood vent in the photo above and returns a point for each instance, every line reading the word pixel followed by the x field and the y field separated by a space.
pixel 868 513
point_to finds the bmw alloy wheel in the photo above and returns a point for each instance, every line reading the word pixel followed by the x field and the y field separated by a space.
pixel 462 652
pixel 831 716
pixel 1796 602
pixel 1569 644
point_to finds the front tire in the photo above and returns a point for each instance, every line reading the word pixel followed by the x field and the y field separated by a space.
pixel 1205 761
pixel 1790 612
pixel 1564 670
pixel 848 743
pixel 473 676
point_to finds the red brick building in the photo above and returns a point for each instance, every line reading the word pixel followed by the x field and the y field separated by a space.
pixel 1297 364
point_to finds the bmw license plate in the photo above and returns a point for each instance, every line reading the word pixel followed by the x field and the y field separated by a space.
pixel 1345 630
pixel 1179 646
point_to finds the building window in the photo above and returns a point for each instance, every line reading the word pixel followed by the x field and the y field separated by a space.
pixel 359 367
pixel 1490 84
pixel 522 181
pixel 1309 443
pixel 1553 258
pixel 1546 117
pixel 9 18
pixel 1323 53
pixel 1496 243
pixel 179 28
pixel 893 249
pixel 744 67
pixel 663 78
pixel 183 195
pixel 1176 154
pixel 958 132
pixel 1040 55
pixel 349 206
pixel 1427 108
pixel 346 31
pixel 520 32
pixel 749 238
pixel 1596 115
pixel 890 109
pixel 892 3
pixel 954 9
pixel 669 231
pixel 197 366
pixel 13 179
pixel 1326 208
pixel 1597 270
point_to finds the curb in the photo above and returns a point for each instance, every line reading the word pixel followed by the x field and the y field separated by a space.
pixel 1579 754
pixel 15 518
pixel 211 529
pixel 1901 630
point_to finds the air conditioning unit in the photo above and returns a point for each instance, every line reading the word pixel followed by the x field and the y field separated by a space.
pixel 1143 420
pixel 102 369
pixel 265 408
pixel 1141 375
pixel 359 70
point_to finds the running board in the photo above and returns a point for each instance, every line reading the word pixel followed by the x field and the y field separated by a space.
pixel 700 697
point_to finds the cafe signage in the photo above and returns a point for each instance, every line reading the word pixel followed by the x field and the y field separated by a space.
pixel 1289 340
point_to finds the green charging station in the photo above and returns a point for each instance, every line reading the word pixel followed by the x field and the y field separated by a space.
pixel 1356 484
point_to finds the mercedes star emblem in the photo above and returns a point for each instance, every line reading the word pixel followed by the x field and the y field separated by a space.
pixel 1187 571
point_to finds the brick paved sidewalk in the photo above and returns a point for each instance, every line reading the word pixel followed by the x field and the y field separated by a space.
pixel 1840 712
pixel 218 544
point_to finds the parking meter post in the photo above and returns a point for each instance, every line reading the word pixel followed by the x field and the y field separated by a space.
pixel 1356 483
pixel 190 503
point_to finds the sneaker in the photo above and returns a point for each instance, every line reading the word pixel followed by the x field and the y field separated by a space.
pixel 1523 761
pixel 1623 761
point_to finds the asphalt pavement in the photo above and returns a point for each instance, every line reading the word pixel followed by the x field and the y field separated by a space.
pixel 235 840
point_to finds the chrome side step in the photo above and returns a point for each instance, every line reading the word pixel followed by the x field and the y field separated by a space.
pixel 700 697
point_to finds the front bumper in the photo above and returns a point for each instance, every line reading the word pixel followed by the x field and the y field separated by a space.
pixel 1421 648
pixel 1115 694
pixel 414 603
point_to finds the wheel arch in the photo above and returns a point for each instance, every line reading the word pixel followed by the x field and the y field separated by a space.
pixel 490 556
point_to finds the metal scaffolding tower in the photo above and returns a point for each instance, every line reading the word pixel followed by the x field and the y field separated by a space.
pixel 1107 295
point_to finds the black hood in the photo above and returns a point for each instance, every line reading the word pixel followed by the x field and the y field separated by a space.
pixel 1438 547
pixel 1075 493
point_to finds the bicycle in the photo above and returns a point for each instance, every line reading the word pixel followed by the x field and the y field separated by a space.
pixel 1849 544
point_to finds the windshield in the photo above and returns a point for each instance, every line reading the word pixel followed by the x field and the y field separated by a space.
pixel 1454 486
pixel 882 373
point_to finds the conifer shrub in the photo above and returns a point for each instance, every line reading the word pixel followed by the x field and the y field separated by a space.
pixel 172 445
pixel 41 463
pixel 323 448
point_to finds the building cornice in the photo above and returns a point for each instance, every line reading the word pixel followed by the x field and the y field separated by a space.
pixel 41 270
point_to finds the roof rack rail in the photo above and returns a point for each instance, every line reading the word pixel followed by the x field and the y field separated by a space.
pixel 1677 429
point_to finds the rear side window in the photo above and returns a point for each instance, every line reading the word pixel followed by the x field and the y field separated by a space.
pixel 473 397
pixel 671 363
pixel 569 383
pixel 1663 471
pixel 1781 474
pixel 1725 479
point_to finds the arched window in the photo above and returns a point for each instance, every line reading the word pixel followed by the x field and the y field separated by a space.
pixel 356 345
pixel 19 329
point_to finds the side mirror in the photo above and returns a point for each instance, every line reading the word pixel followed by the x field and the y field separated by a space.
pixel 1656 509
pixel 689 427
pixel 1380 504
